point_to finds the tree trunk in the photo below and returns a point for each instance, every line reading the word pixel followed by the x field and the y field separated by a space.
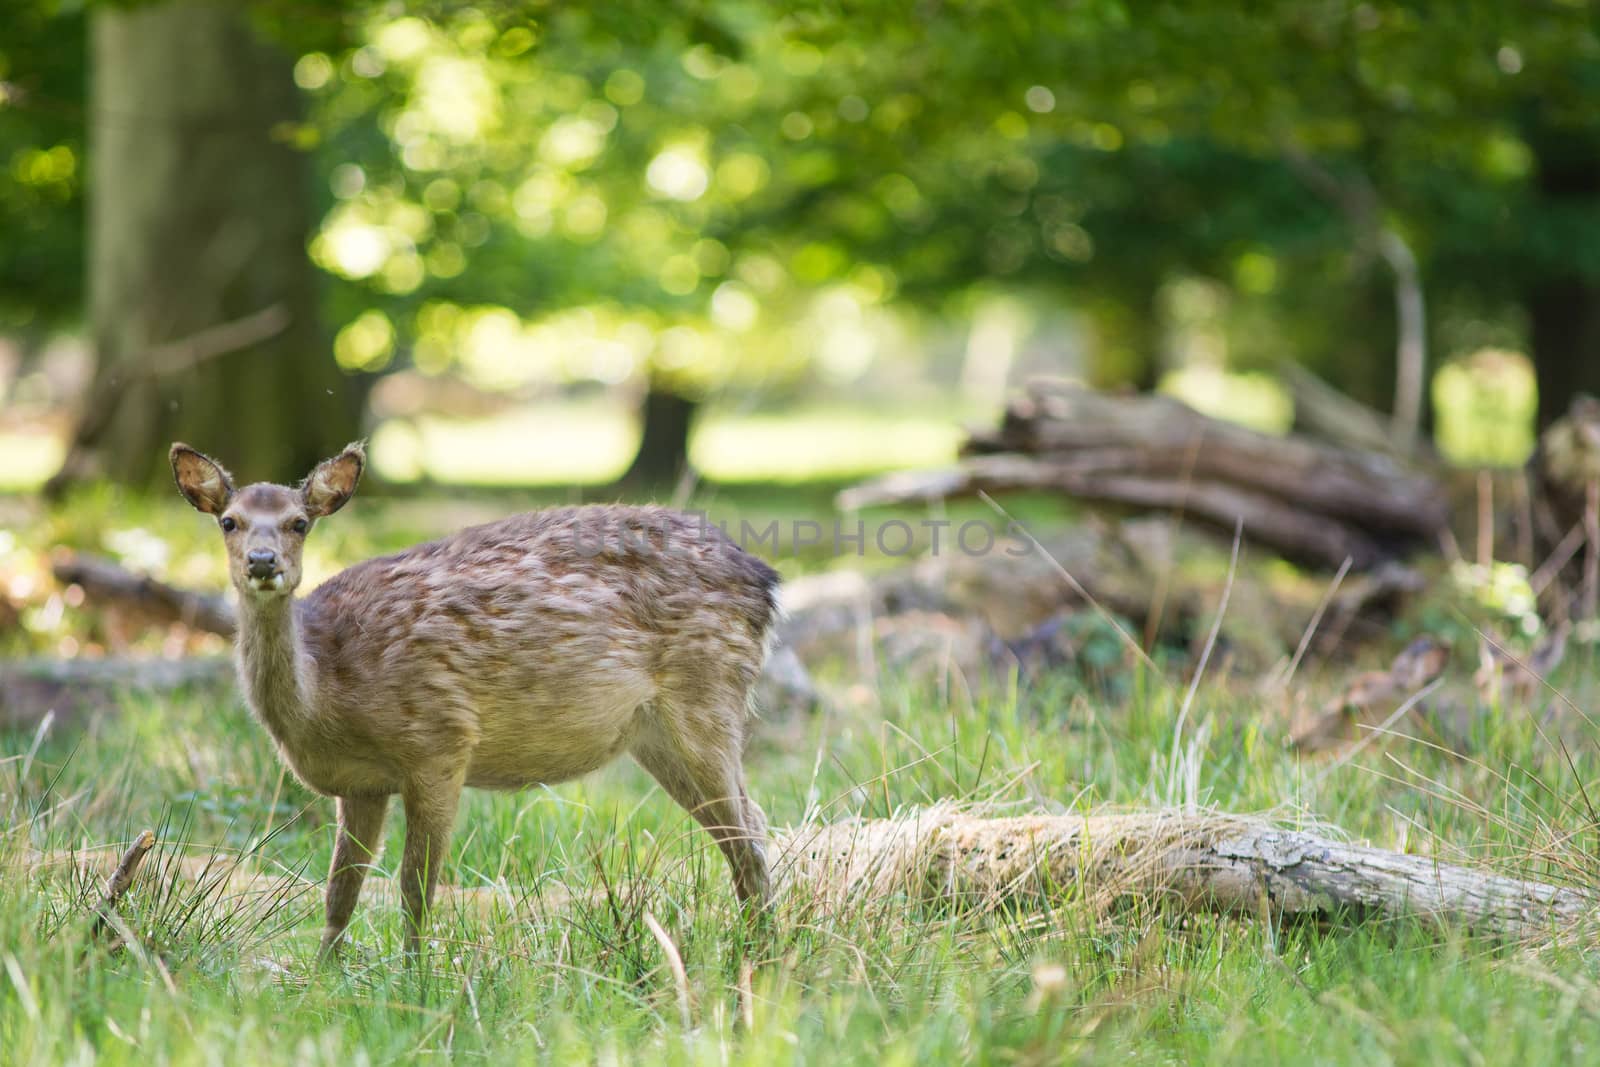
pixel 199 213
pixel 1564 305
pixel 663 453
pixel 1565 332
pixel 1127 343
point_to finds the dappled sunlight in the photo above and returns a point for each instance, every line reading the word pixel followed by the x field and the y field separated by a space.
pixel 1250 399
pixel 1139 605
pixel 590 444
pixel 555 445
pixel 1487 403
pixel 28 459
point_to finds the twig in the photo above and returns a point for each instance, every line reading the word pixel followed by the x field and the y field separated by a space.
pixel 680 977
pixel 213 342
pixel 1485 518
pixel 1073 583
pixel 1524 497
pixel 1205 654
pixel 1560 556
pixel 1591 558
pixel 160 361
pixel 1380 730
pixel 120 880
pixel 1359 201
pixel 1311 627
pixel 747 996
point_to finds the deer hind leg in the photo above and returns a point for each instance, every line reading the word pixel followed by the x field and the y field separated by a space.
pixel 697 759
pixel 431 798
pixel 360 836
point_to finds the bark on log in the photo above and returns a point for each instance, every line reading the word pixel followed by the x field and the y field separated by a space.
pixel 82 688
pixel 1198 862
pixel 1202 862
pixel 1325 413
pixel 1304 497
pixel 1096 476
pixel 106 581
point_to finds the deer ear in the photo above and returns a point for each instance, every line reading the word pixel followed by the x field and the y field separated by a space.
pixel 201 479
pixel 331 485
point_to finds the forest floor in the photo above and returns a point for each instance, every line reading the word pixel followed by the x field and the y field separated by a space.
pixel 554 960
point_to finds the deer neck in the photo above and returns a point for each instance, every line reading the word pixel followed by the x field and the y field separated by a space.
pixel 277 671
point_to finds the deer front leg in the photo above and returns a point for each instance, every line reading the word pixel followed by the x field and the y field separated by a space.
pixel 431 800
pixel 360 836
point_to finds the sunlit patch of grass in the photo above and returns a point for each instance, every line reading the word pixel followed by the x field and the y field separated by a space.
pixel 27 460
pixel 591 443
pixel 1249 399
pixel 812 444
pixel 545 955
pixel 1487 404
pixel 554 444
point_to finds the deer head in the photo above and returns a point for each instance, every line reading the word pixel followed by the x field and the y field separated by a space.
pixel 264 526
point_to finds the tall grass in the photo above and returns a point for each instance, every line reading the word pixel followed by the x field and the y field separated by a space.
pixel 545 953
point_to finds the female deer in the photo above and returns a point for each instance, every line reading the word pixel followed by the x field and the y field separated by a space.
pixel 524 651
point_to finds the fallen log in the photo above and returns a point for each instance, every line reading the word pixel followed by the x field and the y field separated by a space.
pixel 1098 477
pixel 1323 412
pixel 1195 862
pixel 107 581
pixel 1200 862
pixel 1307 498
pixel 74 689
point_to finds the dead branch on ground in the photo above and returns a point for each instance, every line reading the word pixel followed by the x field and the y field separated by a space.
pixel 117 885
pixel 1197 862
pixel 1306 498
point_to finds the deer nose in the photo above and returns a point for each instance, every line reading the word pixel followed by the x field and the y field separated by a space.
pixel 263 562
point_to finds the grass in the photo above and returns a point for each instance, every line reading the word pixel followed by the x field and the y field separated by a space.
pixel 554 964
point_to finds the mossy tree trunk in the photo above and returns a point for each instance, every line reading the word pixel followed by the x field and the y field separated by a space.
pixel 199 212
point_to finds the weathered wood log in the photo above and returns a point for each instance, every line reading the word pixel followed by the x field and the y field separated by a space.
pixel 107 581
pixel 1167 438
pixel 1195 862
pixel 1324 413
pixel 1202 862
pixel 77 689
pixel 1309 499
pixel 1099 476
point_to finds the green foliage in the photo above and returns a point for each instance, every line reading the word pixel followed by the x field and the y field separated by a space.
pixel 726 191
pixel 42 142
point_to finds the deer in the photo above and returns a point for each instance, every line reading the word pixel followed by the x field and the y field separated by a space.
pixel 527 651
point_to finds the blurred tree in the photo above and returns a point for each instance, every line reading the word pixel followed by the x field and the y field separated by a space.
pixel 41 170
pixel 203 304
pixel 1563 298
pixel 623 191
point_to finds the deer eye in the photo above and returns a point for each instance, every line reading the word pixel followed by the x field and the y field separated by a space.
pixel 228 525
pixel 300 526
